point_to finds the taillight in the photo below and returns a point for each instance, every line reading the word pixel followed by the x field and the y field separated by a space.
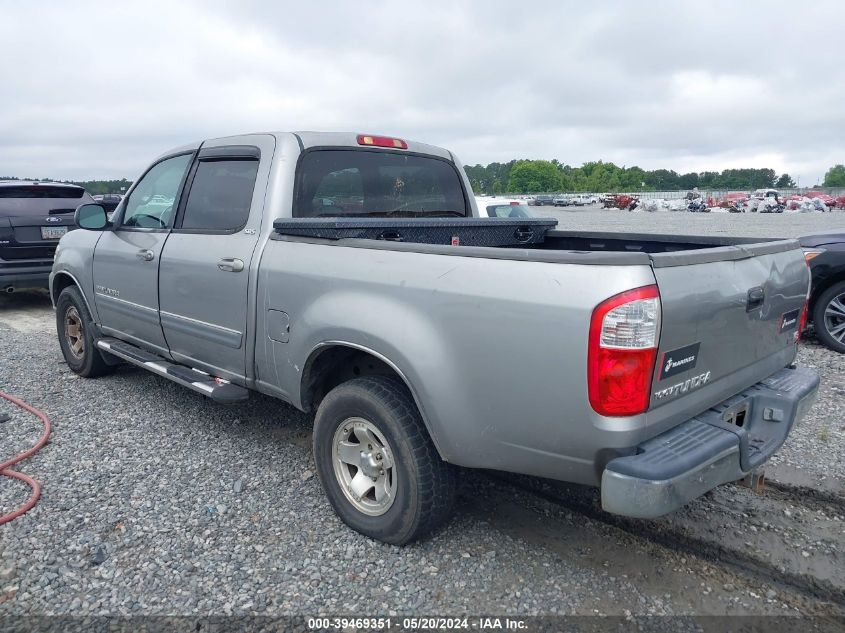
pixel 624 331
pixel 802 323
pixel 381 141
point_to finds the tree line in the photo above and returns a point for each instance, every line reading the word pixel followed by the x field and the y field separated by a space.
pixel 94 187
pixel 532 176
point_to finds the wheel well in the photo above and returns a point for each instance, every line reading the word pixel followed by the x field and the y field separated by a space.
pixel 60 282
pixel 817 292
pixel 331 366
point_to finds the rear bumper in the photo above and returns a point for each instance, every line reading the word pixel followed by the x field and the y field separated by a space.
pixel 25 274
pixel 683 463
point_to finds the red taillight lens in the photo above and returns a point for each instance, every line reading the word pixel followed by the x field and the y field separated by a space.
pixel 802 323
pixel 381 141
pixel 624 331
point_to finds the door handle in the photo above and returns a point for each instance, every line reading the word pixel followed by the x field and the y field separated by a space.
pixel 145 255
pixel 230 265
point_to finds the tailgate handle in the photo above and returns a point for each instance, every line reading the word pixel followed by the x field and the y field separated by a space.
pixel 756 296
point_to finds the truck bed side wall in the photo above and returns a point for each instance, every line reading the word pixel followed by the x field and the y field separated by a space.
pixel 464 332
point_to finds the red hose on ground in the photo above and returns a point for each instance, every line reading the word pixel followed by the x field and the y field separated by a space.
pixel 5 466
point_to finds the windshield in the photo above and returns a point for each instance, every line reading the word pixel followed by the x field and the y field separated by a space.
pixel 356 183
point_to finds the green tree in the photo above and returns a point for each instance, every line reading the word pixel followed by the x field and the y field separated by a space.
pixel 835 176
pixel 785 182
pixel 533 176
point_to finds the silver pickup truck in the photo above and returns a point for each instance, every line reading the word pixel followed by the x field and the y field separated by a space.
pixel 350 276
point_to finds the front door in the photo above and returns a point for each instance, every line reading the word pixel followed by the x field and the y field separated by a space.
pixel 126 259
pixel 205 266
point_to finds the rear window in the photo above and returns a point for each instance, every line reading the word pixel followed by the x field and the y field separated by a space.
pixel 41 191
pixel 348 183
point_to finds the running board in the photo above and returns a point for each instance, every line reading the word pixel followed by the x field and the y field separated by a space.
pixel 217 389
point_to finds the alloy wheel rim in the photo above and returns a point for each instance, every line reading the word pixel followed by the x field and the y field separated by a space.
pixel 834 318
pixel 74 333
pixel 364 466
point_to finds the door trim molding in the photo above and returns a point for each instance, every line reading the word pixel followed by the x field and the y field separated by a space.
pixel 202 329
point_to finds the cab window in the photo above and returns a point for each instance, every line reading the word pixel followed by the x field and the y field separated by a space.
pixel 151 203
pixel 220 195
pixel 346 182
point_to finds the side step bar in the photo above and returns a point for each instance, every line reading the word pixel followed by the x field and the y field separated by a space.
pixel 217 389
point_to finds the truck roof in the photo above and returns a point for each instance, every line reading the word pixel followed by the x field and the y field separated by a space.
pixel 309 139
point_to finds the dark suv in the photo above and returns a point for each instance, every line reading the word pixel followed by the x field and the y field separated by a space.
pixel 544 200
pixel 33 218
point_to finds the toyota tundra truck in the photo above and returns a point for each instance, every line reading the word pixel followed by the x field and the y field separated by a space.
pixel 351 276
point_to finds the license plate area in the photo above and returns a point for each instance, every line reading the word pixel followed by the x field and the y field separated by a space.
pixel 52 232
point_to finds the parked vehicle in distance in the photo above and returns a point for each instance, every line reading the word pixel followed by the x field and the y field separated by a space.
pixel 825 254
pixel 108 201
pixel 828 200
pixel 543 200
pixel 561 201
pixel 770 205
pixel 33 216
pixel 424 337
pixel 492 207
pixel 733 199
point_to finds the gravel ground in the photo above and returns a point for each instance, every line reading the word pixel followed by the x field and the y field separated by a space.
pixel 158 501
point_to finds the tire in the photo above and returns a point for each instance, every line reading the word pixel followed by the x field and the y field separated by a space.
pixel 421 485
pixel 824 325
pixel 76 335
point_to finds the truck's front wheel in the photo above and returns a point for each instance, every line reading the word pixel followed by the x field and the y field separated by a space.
pixel 377 464
pixel 76 335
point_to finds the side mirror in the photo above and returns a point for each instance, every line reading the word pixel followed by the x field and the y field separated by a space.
pixel 91 217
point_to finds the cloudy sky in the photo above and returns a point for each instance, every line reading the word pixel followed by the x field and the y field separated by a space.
pixel 97 89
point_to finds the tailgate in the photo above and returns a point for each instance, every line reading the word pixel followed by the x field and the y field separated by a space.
pixel 33 237
pixel 729 317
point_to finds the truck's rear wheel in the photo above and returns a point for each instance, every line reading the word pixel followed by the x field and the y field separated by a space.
pixel 829 317
pixel 377 464
pixel 76 335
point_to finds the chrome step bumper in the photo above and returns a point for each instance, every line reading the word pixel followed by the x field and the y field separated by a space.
pixel 722 444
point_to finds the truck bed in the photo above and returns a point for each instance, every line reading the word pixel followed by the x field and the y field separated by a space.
pixel 524 237
pixel 493 232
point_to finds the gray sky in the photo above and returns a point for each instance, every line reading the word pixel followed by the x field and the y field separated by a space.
pixel 98 89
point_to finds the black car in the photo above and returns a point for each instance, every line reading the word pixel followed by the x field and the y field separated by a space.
pixel 825 253
pixel 544 200
pixel 33 217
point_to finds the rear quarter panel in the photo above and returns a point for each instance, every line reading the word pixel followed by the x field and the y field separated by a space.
pixel 494 350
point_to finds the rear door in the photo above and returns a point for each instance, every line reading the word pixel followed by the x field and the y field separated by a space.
pixel 206 273
pixel 729 314
pixel 126 259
